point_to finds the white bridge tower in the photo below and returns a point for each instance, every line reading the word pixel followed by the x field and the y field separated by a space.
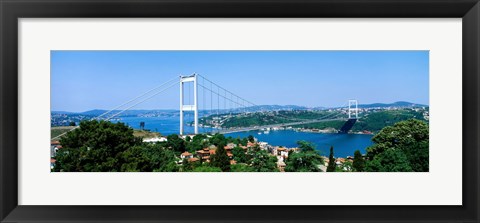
pixel 192 107
pixel 352 109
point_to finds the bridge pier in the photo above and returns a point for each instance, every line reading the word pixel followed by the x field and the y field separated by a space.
pixel 191 107
pixel 350 103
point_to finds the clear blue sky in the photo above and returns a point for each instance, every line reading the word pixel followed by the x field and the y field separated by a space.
pixel 85 80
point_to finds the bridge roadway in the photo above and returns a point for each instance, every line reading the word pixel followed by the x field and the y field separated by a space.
pixel 232 130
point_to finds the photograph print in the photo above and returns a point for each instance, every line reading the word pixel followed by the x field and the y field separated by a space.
pixel 239 111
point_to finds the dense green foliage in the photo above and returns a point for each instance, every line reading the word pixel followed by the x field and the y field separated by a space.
pixel 401 147
pixel 251 138
pixel 305 146
pixel 358 161
pixel 266 118
pixel 322 125
pixel 305 160
pixel 376 121
pixel 331 161
pixel 239 155
pixel 206 168
pixel 220 159
pixel 263 162
pixel 99 146
pixel 175 143
pixel 198 142
pixel 242 168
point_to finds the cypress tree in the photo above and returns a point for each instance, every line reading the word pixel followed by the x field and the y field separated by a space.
pixel 358 161
pixel 220 159
pixel 331 161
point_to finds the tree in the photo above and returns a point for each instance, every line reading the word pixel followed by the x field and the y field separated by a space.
pixel 142 125
pixel 135 160
pixel 306 146
pixel 407 141
pixel 358 161
pixel 198 142
pixel 161 159
pixel 391 160
pixel 305 160
pixel 176 143
pixel 331 161
pixel 239 155
pixel 347 166
pixel 218 139
pixel 220 159
pixel 251 139
pixel 99 146
pixel 72 124
pixel 242 168
pixel 263 162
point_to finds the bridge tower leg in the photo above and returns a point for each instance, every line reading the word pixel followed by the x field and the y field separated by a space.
pixel 192 107
pixel 350 103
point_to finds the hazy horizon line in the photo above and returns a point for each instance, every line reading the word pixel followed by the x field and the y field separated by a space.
pixel 177 109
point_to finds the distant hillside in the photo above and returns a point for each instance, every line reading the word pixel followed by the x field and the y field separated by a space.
pixel 256 108
pixel 395 104
pixel 276 107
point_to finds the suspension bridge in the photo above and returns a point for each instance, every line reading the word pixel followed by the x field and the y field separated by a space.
pixel 214 105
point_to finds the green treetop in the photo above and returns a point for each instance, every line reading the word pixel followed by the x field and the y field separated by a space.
pixel 358 161
pixel 401 147
pixel 305 160
pixel 220 159
pixel 331 161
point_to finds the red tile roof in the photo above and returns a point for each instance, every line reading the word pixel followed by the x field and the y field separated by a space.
pixel 193 160
pixel 186 154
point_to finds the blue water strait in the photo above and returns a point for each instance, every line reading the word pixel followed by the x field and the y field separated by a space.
pixel 344 144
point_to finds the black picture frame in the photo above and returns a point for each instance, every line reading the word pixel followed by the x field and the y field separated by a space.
pixel 12 10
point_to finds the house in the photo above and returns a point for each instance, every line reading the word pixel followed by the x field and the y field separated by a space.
pixel 230 146
pixel 54 147
pixel 203 154
pixel 263 145
pixel 282 152
pixel 155 140
pixel 186 155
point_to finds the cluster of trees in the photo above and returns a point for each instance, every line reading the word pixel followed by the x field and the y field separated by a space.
pixel 306 159
pixel 376 121
pixel 100 146
pixel 403 147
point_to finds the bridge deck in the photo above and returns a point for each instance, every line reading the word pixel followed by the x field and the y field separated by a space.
pixel 226 131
